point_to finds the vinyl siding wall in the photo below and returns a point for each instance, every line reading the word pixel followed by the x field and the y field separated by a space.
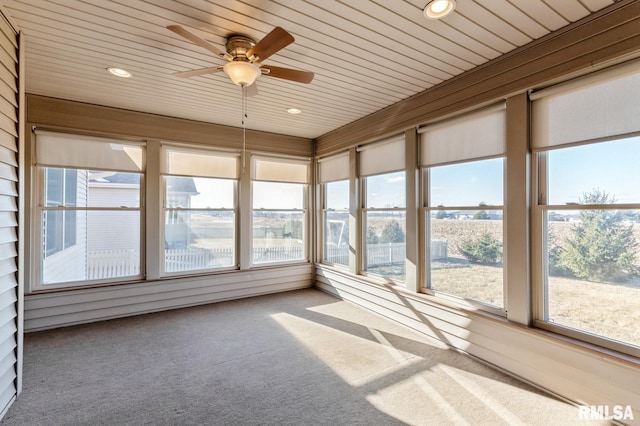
pixel 9 188
pixel 111 232
pixel 51 310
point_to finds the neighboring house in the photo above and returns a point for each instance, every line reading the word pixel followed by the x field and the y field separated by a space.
pixel 114 189
pixel 97 237
pixel 177 233
pixel 106 230
pixel 65 232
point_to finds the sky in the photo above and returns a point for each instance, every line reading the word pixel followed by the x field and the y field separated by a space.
pixel 213 193
pixel 467 184
pixel 218 193
pixel 613 167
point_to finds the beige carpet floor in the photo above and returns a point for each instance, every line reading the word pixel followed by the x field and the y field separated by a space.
pixel 296 358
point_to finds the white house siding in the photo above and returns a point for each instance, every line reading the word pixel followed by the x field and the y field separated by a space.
pixel 67 265
pixel 108 230
pixel 70 264
pixel 9 185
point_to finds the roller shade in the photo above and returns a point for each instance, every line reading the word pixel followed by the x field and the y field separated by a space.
pixel 185 162
pixel 480 134
pixel 85 152
pixel 280 170
pixel 334 168
pixel 600 108
pixel 382 157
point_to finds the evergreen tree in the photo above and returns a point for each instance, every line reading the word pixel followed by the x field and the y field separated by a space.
pixel 392 233
pixel 603 247
pixel 481 215
pixel 442 214
pixel 485 250
pixel 372 236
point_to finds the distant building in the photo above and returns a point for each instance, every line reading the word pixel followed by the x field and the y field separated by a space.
pixel 470 214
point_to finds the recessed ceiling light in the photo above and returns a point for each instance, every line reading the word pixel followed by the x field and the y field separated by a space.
pixel 119 72
pixel 294 111
pixel 438 9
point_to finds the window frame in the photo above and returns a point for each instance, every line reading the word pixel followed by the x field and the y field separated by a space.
pixel 427 210
pixel 363 210
pixel 37 264
pixel 540 274
pixel 325 210
pixel 451 140
pixel 165 209
pixel 591 133
pixel 305 186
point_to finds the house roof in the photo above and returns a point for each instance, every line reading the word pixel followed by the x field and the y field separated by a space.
pixel 124 178
pixel 175 184
pixel 366 55
pixel 182 184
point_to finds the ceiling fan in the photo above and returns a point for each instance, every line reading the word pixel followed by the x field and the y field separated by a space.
pixel 245 58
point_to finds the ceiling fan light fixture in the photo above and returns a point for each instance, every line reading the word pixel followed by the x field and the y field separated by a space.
pixel 242 73
pixel 438 9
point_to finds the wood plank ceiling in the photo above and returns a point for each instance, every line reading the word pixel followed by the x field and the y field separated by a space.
pixel 366 54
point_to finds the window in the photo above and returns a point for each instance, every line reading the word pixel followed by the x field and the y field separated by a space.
pixel 200 209
pixel 383 180
pixel 334 177
pixel 465 230
pixel 89 217
pixel 336 223
pixel 463 172
pixel 384 224
pixel 585 137
pixel 60 191
pixel 279 191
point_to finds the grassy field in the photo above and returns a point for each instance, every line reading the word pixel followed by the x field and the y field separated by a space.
pixel 605 309
pixel 460 278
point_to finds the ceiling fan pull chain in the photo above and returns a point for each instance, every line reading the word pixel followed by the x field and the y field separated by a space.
pixel 244 130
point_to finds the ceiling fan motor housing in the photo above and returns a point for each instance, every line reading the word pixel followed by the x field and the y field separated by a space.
pixel 238 46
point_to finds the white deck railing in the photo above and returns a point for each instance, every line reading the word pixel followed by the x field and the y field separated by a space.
pixel 384 253
pixel 106 264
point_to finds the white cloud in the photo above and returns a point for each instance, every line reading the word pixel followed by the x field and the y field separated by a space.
pixel 396 179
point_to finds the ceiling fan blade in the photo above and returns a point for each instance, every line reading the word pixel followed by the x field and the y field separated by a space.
pixel 277 39
pixel 288 74
pixel 252 90
pixel 199 41
pixel 201 71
